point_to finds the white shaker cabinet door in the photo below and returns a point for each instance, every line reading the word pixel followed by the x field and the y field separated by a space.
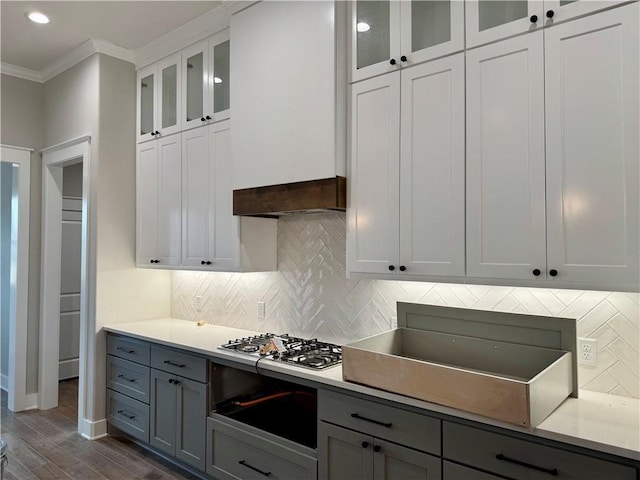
pixel 373 200
pixel 505 159
pixel 592 87
pixel 147 204
pixel 432 177
pixel 169 200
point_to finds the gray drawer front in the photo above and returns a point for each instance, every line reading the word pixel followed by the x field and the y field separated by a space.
pixel 234 453
pixel 183 364
pixel 129 415
pixel 128 349
pixel 495 453
pixel 400 426
pixel 129 378
pixel 453 471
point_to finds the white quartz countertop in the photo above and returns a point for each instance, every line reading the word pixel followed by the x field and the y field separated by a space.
pixel 602 422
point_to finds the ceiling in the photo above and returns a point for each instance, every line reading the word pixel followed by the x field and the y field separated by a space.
pixel 123 23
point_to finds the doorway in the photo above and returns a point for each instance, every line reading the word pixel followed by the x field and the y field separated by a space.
pixel 15 175
pixel 54 160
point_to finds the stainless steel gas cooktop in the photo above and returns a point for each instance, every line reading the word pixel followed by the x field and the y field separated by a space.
pixel 284 348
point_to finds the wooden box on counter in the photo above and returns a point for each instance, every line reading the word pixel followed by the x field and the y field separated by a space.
pixel 510 367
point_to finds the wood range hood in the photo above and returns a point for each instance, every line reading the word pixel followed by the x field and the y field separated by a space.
pixel 312 196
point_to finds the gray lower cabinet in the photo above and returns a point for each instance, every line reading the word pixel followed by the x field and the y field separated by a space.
pixel 452 471
pixel 345 454
pixel 178 413
pixel 522 459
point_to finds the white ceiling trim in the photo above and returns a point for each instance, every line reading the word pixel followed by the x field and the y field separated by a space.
pixel 192 32
pixel 75 56
pixel 21 72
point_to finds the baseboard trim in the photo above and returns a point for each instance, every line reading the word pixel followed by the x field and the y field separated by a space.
pixel 30 401
pixel 94 430
pixel 4 382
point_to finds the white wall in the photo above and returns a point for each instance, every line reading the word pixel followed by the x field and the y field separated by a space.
pixel 22 118
pixel 310 296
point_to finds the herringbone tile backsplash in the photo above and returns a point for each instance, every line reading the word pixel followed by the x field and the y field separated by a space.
pixel 310 296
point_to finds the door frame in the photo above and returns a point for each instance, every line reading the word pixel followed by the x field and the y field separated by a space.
pixel 54 159
pixel 17 397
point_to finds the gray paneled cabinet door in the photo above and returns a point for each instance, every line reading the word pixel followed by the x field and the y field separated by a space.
pixel 178 417
pixel 191 422
pixel 163 411
pixel 344 454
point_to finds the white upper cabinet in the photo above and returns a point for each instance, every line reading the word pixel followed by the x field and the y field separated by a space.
pixel 592 131
pixel 158 202
pixel 553 157
pixel 491 20
pixel 205 80
pixel 288 95
pixel 505 159
pixel 158 104
pixel 387 35
pixel 406 183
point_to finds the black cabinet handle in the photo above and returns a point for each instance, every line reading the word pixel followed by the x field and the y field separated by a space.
pixel 154 261
pixel 202 119
pixel 550 471
pixel 122 349
pixel 124 414
pixel 553 272
pixel 157 132
pixel 392 61
pixel 173 364
pixel 127 379
pixel 533 18
pixel 536 272
pixel 377 448
pixel 377 422
pixel 245 464
pixel 208 262
pixel 550 13
pixel 392 268
pixel 208 117
pixel 402 268
pixel 403 58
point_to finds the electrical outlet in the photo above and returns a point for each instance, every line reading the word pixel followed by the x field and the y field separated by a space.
pixel 197 303
pixel 587 351
pixel 261 309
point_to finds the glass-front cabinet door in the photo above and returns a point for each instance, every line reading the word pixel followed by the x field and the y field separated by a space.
pixel 490 20
pixel 430 29
pixel 560 10
pixel 169 98
pixel 146 104
pixel 205 80
pixel 387 35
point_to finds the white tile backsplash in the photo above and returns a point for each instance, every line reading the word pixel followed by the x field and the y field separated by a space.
pixel 310 296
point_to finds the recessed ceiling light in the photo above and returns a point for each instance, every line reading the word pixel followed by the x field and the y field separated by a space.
pixel 37 17
pixel 363 27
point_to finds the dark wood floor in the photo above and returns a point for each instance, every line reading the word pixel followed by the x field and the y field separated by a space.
pixel 44 444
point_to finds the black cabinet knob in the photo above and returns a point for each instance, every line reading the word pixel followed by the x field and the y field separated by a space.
pixel 392 61
pixel 549 13
pixel 536 271
pixel 202 262
pixel 208 262
pixel 377 448
pixel 553 272
pixel 208 117
pixel 392 268
pixel 152 133
pixel 533 18
pixel 365 444
pixel 402 268
pixel 157 132
pixel 202 119
pixel 403 58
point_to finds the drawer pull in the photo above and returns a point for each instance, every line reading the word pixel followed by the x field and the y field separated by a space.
pixel 127 379
pixel 360 417
pixel 550 471
pixel 173 364
pixel 122 349
pixel 245 464
pixel 124 414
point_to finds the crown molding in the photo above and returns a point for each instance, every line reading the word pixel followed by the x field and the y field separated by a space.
pixel 194 31
pixel 107 48
pixel 21 72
